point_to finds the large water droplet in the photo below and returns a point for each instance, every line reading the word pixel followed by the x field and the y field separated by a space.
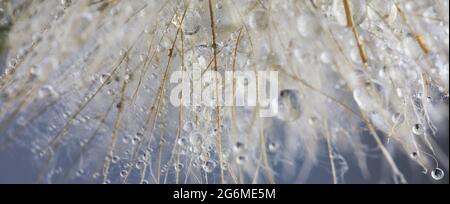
pixel 196 138
pixel 259 20
pixel 384 9
pixel 308 25
pixel 437 174
pixel 191 22
pixel 289 108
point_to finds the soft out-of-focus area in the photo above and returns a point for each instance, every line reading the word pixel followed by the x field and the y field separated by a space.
pixel 85 91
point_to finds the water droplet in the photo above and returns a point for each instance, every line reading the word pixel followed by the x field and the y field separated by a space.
pixel 209 166
pixel 358 9
pixel 196 138
pixel 47 92
pixel 188 126
pixel 418 129
pixel 123 173
pixel 384 9
pixel 65 3
pixel 308 25
pixel 240 160
pixel 178 167
pixel 106 79
pixel 79 173
pixel 259 20
pixel 273 147
pixel 191 23
pixel 437 174
pixel 289 108
pixel 398 118
pixel 239 147
pixel 140 164
pixel 182 141
pixel 414 155
pixel 115 159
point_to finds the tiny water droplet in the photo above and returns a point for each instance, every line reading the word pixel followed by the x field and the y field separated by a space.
pixel 418 129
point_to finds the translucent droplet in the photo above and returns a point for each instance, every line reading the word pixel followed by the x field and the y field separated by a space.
pixel 398 118
pixel 128 78
pixel 178 167
pixel 384 9
pixel 115 159
pixel 239 147
pixel 209 166
pixel 79 173
pixel 135 140
pixel 182 141
pixel 326 58
pixel 140 164
pixel 123 173
pixel 414 155
pixel 272 147
pixel 241 159
pixel 358 9
pixel 191 23
pixel 418 129
pixel 308 25
pixel 196 138
pixel 47 92
pixel 106 79
pixel 289 108
pixel 259 20
pixel 188 126
pixel 437 174
pixel 65 3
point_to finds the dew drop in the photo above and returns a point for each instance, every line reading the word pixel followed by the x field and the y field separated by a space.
pixel 182 141
pixel 115 159
pixel 65 3
pixel 418 129
pixel 196 138
pixel 358 8
pixel 414 155
pixel 123 173
pixel 178 167
pixel 259 20
pixel 188 126
pixel 398 118
pixel 106 79
pixel 273 147
pixel 308 26
pixel 47 92
pixel 191 23
pixel 240 160
pixel 239 147
pixel 437 174
pixel 384 9
pixel 289 108
pixel 209 166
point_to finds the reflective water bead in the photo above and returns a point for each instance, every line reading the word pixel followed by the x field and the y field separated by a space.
pixel 209 166
pixel 358 9
pixel 196 138
pixel 418 129
pixel 437 174
pixel 259 20
pixel 289 108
